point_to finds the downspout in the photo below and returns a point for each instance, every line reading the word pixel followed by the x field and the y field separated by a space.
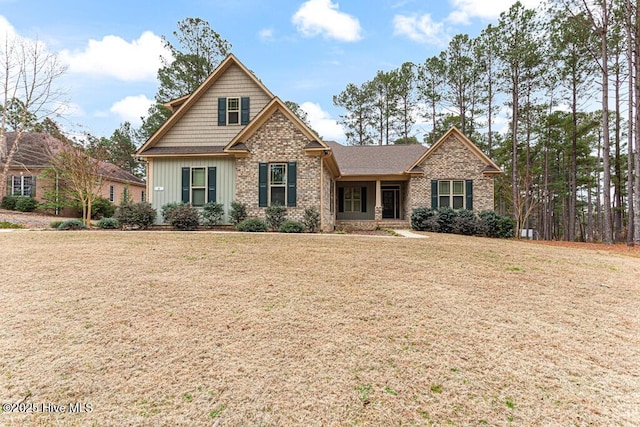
pixel 322 191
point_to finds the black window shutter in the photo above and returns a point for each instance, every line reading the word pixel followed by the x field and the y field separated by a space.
pixel 33 186
pixel 244 110
pixel 434 194
pixel 263 174
pixel 469 193
pixel 291 184
pixel 363 198
pixel 211 184
pixel 186 184
pixel 222 111
pixel 340 199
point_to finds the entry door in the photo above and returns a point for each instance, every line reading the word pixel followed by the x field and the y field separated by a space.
pixel 391 204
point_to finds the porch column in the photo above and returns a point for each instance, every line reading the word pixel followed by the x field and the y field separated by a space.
pixel 378 209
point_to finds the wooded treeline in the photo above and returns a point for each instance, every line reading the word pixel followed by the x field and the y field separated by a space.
pixel 550 94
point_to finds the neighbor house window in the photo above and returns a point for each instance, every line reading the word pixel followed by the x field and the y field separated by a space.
pixel 233 111
pixel 455 194
pixel 112 193
pixel 353 199
pixel 143 196
pixel 23 186
pixel 277 184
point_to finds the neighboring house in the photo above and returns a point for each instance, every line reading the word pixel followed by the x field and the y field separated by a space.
pixel 233 140
pixel 34 155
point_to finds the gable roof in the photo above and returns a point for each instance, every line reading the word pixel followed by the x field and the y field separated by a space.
pixel 376 159
pixel 36 150
pixel 183 104
pixel 261 118
pixel 490 167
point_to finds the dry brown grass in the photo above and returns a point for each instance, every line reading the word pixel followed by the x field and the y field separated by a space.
pixel 163 328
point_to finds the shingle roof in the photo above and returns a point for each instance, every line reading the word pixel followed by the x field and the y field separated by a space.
pixel 194 149
pixel 36 149
pixel 376 159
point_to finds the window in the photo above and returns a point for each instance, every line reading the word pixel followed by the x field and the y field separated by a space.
pixel 143 196
pixel 23 186
pixel 233 111
pixel 198 187
pixel 277 184
pixel 455 194
pixel 111 193
pixel 353 199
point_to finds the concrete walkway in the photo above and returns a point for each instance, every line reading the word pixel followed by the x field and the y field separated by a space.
pixel 410 234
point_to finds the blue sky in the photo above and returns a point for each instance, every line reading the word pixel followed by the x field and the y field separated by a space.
pixel 303 51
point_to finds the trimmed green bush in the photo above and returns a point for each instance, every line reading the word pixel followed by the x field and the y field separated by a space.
pixel 166 210
pixel 72 224
pixel 212 214
pixel 495 225
pixel 424 219
pixel 252 225
pixel 275 216
pixel 467 223
pixel 184 217
pixel 136 215
pixel 55 224
pixel 9 203
pixel 311 219
pixel 102 208
pixel 26 204
pixel 238 212
pixel 446 219
pixel 290 226
pixel 107 223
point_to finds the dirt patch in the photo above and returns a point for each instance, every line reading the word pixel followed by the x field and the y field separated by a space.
pixel 29 219
pixel 179 328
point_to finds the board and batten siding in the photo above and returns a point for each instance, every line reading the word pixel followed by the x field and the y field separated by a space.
pixel 199 125
pixel 167 174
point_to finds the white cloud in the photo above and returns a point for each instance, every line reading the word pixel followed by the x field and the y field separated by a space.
pixel 465 10
pixel 322 17
pixel 266 34
pixel 322 122
pixel 421 29
pixel 113 56
pixel 6 30
pixel 132 108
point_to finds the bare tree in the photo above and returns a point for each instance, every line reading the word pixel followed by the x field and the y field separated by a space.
pixel 28 73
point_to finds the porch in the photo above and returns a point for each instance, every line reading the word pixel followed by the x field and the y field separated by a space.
pixel 367 204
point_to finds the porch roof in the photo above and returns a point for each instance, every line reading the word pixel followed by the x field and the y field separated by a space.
pixel 376 159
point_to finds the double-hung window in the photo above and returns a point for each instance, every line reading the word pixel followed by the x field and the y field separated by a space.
pixel 278 184
pixel 451 193
pixel 22 185
pixel 353 199
pixel 198 187
pixel 233 111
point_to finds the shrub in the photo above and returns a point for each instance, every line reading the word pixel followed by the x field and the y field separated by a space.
pixel 494 225
pixel 238 212
pixel 136 215
pixel 212 214
pixel 446 219
pixel 7 224
pixel 467 223
pixel 252 225
pixel 55 224
pixel 184 217
pixel 424 219
pixel 26 204
pixel 107 223
pixel 72 224
pixel 291 226
pixel 311 219
pixel 276 215
pixel 9 202
pixel 167 209
pixel 101 208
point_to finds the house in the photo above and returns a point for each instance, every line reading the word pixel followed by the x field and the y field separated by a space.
pixel 233 140
pixel 34 156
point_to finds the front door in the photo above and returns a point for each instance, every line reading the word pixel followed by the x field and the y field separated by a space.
pixel 391 203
